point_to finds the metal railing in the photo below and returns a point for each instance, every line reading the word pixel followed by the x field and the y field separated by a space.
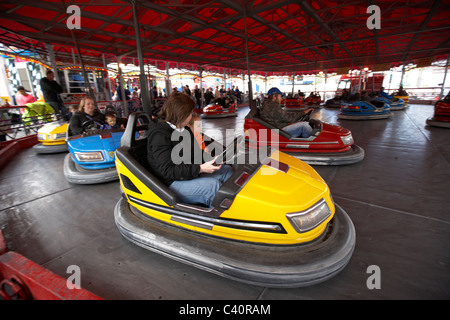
pixel 15 124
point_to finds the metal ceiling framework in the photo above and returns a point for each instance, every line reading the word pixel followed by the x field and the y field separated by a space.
pixel 283 36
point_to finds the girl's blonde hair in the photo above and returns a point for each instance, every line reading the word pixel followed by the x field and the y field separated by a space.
pixel 83 102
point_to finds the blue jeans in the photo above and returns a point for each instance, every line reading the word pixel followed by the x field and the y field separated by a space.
pixel 300 129
pixel 202 189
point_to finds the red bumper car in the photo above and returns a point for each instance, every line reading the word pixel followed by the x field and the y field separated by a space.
pixel 327 145
pixel 294 104
pixel 441 117
pixel 220 108
pixel 313 100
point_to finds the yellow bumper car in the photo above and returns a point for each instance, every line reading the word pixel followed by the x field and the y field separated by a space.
pixel 273 223
pixel 52 137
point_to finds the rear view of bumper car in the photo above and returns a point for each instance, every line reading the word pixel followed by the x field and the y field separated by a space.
pixel 365 110
pixel 328 144
pixel 394 104
pixel 334 103
pixel 52 138
pixel 273 223
pixel 294 104
pixel 220 110
pixel 441 117
pixel 405 98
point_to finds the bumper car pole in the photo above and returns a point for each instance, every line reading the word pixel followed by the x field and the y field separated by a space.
pixel 147 100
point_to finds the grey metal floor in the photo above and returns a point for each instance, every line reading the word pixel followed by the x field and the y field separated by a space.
pixel 398 199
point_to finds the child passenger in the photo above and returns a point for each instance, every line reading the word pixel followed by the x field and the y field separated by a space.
pixel 110 119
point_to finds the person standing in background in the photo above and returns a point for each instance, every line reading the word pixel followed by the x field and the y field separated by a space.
pixel 51 90
pixel 22 97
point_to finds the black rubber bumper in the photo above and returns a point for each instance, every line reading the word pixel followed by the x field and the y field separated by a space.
pixel 78 175
pixel 436 123
pixel 354 155
pixel 343 116
pixel 57 148
pixel 257 264
pixel 217 115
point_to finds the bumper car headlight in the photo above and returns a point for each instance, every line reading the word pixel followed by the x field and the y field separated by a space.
pixel 59 136
pixel 309 219
pixel 347 140
pixel 89 156
pixel 42 136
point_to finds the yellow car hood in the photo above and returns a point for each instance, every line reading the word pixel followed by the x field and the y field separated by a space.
pixel 284 186
pixel 53 128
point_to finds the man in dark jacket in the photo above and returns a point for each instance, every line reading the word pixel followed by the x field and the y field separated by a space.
pixel 288 121
pixel 51 90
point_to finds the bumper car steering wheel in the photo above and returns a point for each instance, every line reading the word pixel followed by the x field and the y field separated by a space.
pixel 231 151
pixel 306 116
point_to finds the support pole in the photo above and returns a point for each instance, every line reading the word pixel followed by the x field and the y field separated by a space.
pixel 293 79
pixel 265 82
pixel 403 74
pixel 359 80
pixel 224 79
pixel 107 92
pixel 122 89
pixel 445 78
pixel 168 83
pixel 85 76
pixel 147 100
pixel 250 86
pixel 200 70
pixel 52 60
pixel 86 79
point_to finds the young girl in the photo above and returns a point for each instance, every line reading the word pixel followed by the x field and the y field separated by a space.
pixel 192 182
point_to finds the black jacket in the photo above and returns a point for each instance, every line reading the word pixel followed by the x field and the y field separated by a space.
pixel 50 90
pixel 78 118
pixel 173 160
pixel 274 114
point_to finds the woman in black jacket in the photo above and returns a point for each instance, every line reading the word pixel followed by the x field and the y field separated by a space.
pixel 87 117
pixel 172 155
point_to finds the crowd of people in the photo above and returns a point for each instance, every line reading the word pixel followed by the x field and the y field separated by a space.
pixel 211 95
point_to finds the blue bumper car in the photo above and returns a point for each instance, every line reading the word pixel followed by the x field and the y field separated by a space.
pixel 334 103
pixel 365 110
pixel 394 104
pixel 91 157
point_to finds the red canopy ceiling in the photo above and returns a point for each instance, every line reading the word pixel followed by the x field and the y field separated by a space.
pixel 283 36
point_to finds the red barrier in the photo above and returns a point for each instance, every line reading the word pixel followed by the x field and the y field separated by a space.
pixel 10 148
pixel 23 279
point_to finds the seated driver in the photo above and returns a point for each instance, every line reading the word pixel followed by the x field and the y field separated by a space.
pixel 288 121
pixel 224 102
pixel 87 113
pixel 195 183
pixel 384 94
pixel 401 92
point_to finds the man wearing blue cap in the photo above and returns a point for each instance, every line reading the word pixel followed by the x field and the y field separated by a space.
pixel 287 121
